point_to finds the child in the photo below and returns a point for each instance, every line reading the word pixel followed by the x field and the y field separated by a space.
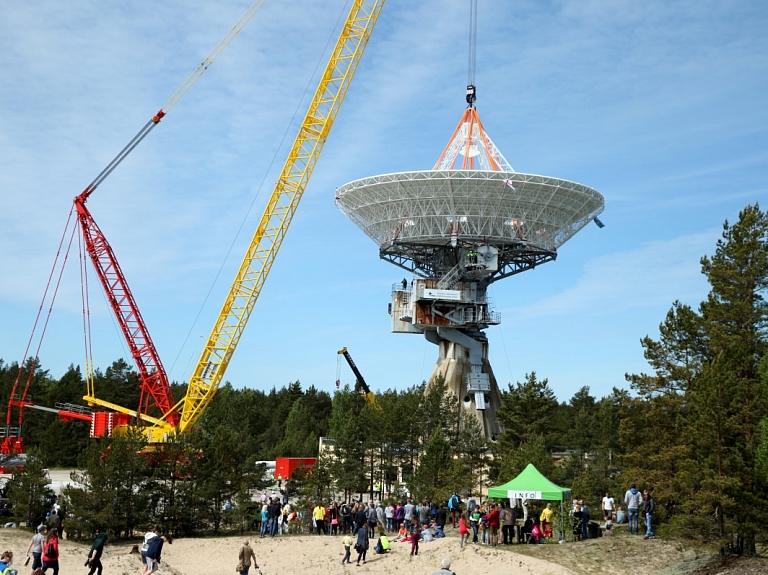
pixel 474 522
pixel 463 530
pixel 426 534
pixel 402 535
pixel 347 548
pixel 415 536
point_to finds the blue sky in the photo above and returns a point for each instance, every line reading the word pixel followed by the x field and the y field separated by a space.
pixel 659 105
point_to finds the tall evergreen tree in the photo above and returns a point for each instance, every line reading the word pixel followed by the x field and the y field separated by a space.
pixel 695 427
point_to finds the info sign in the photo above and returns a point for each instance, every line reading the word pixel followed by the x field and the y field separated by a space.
pixel 523 494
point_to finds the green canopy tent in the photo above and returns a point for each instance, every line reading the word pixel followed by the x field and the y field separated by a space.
pixel 531 484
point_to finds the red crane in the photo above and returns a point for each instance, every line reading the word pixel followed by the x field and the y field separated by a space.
pixel 155 388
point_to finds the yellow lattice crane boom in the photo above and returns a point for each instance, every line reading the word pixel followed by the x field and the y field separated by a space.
pixel 279 211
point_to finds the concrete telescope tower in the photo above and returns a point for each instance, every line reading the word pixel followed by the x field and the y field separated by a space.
pixel 469 221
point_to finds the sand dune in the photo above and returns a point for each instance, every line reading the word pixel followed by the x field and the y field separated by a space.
pixel 290 555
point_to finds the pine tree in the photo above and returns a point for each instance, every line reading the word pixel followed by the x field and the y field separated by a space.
pixel 694 429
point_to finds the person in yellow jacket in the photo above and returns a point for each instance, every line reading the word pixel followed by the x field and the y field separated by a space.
pixel 319 514
pixel 546 520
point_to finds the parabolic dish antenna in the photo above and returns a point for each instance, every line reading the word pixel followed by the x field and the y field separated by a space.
pixel 458 228
pixel 422 220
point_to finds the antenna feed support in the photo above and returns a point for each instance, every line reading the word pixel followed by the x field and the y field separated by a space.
pixel 471 95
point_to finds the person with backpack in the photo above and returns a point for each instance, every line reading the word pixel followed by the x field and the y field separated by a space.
pixel 51 552
pixel 454 504
pixel 649 506
pixel 346 517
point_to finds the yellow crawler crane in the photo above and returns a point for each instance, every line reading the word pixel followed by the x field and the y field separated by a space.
pixel 279 212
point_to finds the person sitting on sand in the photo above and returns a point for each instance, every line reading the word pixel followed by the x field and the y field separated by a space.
pixel 382 545
pixel 403 534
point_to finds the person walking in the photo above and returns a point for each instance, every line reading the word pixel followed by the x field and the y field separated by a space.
pixel 463 530
pixel 362 543
pixel 154 553
pixel 94 555
pixel 415 536
pixel 347 548
pixel 649 506
pixel 245 556
pixel 36 548
pixel 51 551
pixel 607 506
pixel 633 498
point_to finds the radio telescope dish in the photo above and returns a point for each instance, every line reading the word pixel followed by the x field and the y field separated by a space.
pixel 457 229
pixel 419 219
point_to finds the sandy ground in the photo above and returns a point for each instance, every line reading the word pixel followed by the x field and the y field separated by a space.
pixel 289 555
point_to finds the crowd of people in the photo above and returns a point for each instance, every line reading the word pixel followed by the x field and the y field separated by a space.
pixel 485 523
pixel 408 521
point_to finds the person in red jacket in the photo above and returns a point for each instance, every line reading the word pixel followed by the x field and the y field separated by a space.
pixel 494 522
pixel 51 551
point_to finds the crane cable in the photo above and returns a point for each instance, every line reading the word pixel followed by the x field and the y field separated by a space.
pixel 472 42
pixel 135 141
pixel 471 90
pixel 22 399
pixel 174 99
pixel 90 374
